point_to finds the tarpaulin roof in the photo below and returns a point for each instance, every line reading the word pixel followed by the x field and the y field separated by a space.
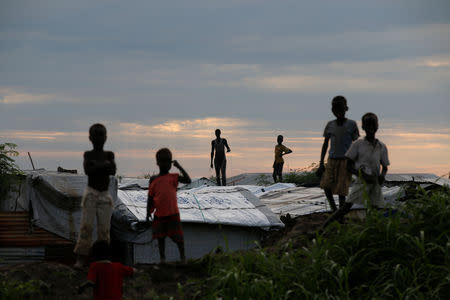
pixel 230 205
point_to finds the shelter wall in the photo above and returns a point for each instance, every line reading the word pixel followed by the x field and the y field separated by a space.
pixel 200 239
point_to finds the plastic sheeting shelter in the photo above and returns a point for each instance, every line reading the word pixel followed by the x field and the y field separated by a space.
pixel 231 218
pixel 54 200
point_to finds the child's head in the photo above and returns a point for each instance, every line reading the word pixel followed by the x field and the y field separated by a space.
pixel 218 133
pixel 339 106
pixel 100 250
pixel 97 135
pixel 280 139
pixel 370 123
pixel 164 159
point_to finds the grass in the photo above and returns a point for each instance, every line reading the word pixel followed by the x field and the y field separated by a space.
pixel 18 290
pixel 304 176
pixel 403 256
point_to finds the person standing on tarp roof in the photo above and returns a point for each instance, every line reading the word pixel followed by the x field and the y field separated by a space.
pixel 220 161
pixel 280 150
pixel 97 202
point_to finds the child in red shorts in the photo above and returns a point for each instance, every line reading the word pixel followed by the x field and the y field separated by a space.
pixel 105 276
pixel 162 198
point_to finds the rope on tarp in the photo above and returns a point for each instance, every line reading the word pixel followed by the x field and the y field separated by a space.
pixel 198 203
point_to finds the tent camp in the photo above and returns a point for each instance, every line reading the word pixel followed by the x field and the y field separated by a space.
pixel 42 213
pixel 228 217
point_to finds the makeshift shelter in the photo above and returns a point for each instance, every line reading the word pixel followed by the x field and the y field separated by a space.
pixel 49 202
pixel 43 212
pixel 230 218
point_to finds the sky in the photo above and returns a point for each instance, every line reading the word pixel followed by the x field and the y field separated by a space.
pixel 168 73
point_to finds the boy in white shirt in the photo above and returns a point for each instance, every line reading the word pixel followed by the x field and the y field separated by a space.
pixel 364 159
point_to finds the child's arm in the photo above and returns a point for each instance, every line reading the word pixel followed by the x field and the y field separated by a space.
pixel 351 168
pixel 150 203
pixel 226 145
pixel 85 285
pixel 212 153
pixel 382 175
pixel 93 166
pixel 150 208
pixel 111 164
pixel 323 153
pixel 184 178
pixel 286 150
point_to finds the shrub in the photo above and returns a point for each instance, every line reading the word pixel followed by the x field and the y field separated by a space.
pixel 402 256
pixel 8 168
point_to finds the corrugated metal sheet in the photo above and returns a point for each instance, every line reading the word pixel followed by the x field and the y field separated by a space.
pixel 416 177
pixel 250 179
pixel 16 230
pixel 15 255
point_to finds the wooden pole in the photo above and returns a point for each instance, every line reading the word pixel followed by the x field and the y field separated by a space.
pixel 29 155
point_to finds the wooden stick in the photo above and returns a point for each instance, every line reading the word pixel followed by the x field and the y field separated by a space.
pixel 29 155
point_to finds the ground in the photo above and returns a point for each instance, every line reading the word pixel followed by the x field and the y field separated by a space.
pixel 59 281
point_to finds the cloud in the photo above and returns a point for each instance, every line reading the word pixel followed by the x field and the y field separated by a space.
pixel 196 128
pixel 42 135
pixel 10 96
pixel 397 76
pixel 14 96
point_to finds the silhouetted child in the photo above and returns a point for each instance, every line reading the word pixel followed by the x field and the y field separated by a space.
pixel 340 133
pixel 364 159
pixel 162 198
pixel 105 276
pixel 220 161
pixel 280 150
pixel 97 202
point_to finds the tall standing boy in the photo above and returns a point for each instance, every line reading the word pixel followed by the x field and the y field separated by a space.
pixel 220 161
pixel 97 202
pixel 339 133
pixel 162 198
pixel 280 150
pixel 364 159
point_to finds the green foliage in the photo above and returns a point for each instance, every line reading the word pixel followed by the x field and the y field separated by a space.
pixel 263 180
pixel 304 176
pixel 17 290
pixel 8 168
pixel 403 256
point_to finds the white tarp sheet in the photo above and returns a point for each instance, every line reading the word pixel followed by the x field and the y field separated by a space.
pixel 55 201
pixel 230 205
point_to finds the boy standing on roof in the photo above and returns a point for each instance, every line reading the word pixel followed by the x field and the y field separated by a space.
pixel 280 150
pixel 341 133
pixel 162 198
pixel 364 159
pixel 220 161
pixel 97 202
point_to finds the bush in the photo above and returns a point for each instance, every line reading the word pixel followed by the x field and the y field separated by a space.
pixel 403 256
pixel 8 168
pixel 304 176
pixel 17 290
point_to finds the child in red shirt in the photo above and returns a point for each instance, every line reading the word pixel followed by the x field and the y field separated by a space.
pixel 162 198
pixel 105 276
